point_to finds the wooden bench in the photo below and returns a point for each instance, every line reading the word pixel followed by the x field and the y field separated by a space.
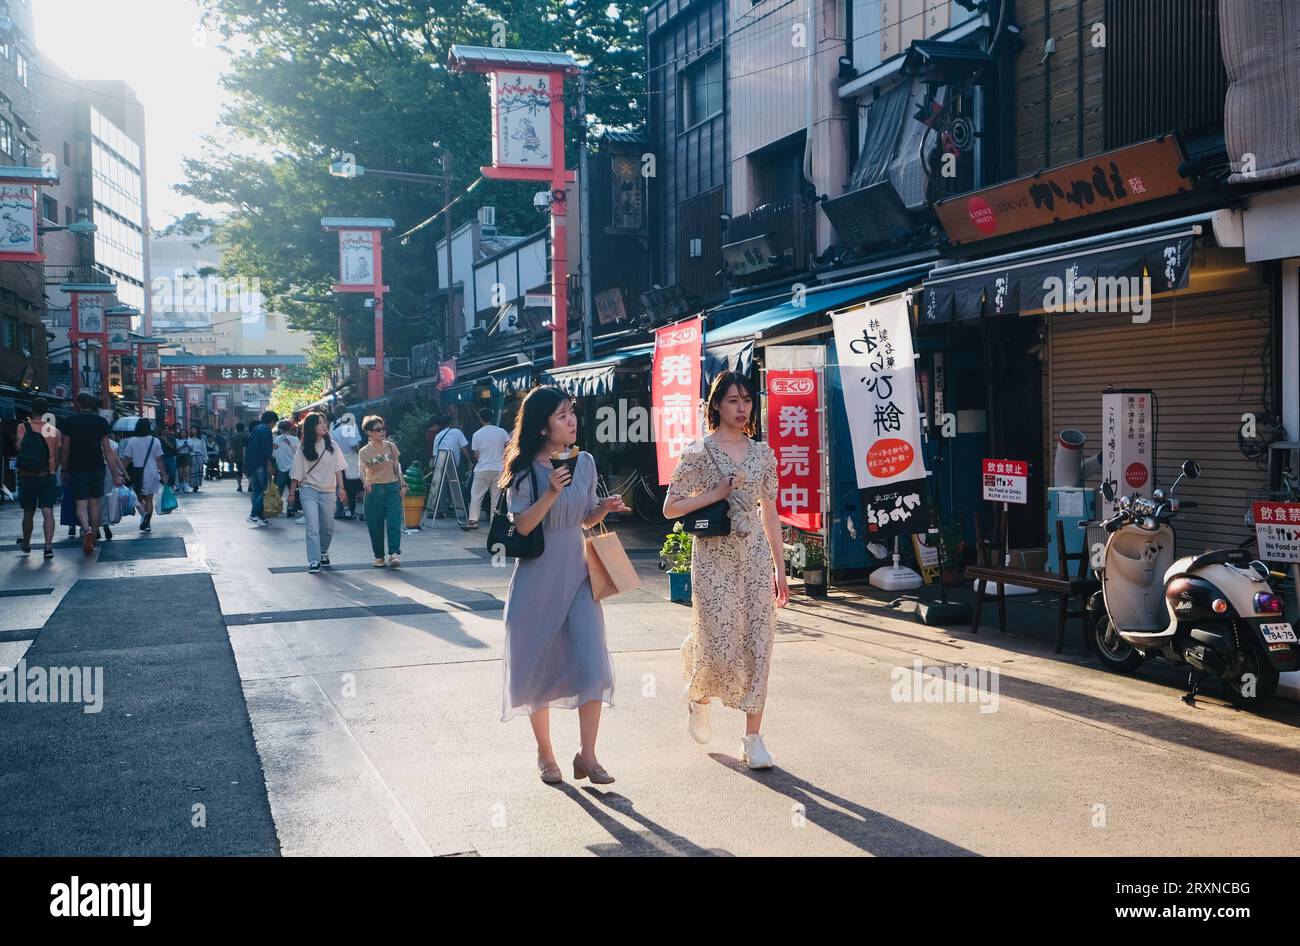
pixel 1060 584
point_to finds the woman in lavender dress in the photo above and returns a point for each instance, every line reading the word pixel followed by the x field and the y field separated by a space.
pixel 555 652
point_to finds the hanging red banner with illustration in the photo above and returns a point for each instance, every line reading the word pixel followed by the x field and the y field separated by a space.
pixel 794 434
pixel 675 392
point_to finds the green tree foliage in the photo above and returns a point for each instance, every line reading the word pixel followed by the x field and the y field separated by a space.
pixel 315 80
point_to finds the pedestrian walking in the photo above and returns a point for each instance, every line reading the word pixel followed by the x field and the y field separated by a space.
pixel 238 441
pixel 38 446
pixel 737 579
pixel 167 438
pixel 347 439
pixel 555 650
pixel 142 456
pixel 488 446
pixel 198 457
pixel 381 474
pixel 317 476
pixel 284 446
pixel 184 449
pixel 114 468
pixel 87 457
pixel 258 462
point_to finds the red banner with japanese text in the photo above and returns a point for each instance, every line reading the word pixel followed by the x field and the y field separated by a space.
pixel 794 434
pixel 675 392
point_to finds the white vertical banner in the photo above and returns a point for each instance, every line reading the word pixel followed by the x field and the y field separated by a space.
pixel 1127 433
pixel 878 374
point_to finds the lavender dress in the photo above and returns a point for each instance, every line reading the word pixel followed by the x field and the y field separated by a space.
pixel 555 653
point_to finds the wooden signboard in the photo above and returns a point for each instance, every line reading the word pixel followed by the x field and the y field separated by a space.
pixel 1121 178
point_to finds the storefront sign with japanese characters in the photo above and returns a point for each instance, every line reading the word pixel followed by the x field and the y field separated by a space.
pixel 794 434
pixel 521 113
pixel 115 374
pixel 357 258
pixel 1277 529
pixel 119 333
pixel 1121 178
pixel 1006 481
pixel 242 374
pixel 1127 461
pixel 87 313
pixel 874 346
pixel 18 221
pixel 675 392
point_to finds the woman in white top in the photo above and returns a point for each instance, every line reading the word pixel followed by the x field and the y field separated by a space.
pixel 143 456
pixel 284 446
pixel 317 472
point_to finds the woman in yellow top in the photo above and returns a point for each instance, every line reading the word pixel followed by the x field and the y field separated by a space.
pixel 381 474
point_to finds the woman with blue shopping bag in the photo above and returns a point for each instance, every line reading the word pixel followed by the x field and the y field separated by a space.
pixel 143 457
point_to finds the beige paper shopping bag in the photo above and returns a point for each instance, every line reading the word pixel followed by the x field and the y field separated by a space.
pixel 610 569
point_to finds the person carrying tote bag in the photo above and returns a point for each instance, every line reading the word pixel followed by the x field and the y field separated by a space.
pixel 555 649
pixel 611 571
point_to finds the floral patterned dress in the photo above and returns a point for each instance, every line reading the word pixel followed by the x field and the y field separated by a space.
pixel 729 649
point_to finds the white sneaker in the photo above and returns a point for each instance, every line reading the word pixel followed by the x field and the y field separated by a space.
pixel 698 721
pixel 753 753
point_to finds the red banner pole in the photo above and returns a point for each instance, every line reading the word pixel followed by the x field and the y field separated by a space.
pixel 376 386
pixel 559 230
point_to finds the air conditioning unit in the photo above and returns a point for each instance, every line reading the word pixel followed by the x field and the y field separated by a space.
pixel 487 216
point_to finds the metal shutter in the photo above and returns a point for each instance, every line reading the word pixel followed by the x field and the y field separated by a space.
pixel 1207 359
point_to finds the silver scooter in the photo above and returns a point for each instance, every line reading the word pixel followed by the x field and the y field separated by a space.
pixel 1214 612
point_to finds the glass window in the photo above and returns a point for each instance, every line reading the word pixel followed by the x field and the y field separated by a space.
pixel 700 90
pixel 49 208
pixel 6 136
pixel 21 62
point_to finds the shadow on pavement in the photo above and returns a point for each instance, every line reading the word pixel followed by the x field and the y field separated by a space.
pixel 864 828
pixel 658 841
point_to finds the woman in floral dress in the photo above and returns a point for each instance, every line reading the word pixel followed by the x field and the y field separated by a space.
pixel 738 579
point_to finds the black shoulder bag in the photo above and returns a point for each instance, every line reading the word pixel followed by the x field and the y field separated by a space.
pixel 713 519
pixel 503 535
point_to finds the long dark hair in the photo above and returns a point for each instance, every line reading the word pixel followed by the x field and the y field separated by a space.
pixel 309 425
pixel 530 429
pixel 717 391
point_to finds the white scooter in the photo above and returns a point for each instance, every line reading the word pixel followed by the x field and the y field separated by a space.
pixel 1214 612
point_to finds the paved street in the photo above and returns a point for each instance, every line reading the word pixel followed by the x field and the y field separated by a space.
pixel 357 712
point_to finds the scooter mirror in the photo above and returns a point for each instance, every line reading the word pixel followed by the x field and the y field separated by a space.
pixel 1191 469
pixel 1108 490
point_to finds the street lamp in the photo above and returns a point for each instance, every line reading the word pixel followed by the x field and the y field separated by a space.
pixel 80 227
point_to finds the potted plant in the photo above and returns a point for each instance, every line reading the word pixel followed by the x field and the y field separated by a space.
pixel 814 568
pixel 416 495
pixel 675 557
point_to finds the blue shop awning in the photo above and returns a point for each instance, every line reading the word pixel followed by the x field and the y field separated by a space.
pixel 814 302
pixel 516 378
pixel 595 377
pixel 738 357
pixel 458 393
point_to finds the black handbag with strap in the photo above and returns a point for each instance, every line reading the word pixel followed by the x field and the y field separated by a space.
pixel 710 520
pixel 503 536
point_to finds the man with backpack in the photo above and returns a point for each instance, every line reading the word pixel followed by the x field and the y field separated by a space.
pixel 39 446
pixel 87 457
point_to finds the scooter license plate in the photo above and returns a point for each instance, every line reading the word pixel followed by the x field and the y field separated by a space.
pixel 1277 633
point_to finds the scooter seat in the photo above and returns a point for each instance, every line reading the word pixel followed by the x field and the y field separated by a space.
pixel 1238 557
